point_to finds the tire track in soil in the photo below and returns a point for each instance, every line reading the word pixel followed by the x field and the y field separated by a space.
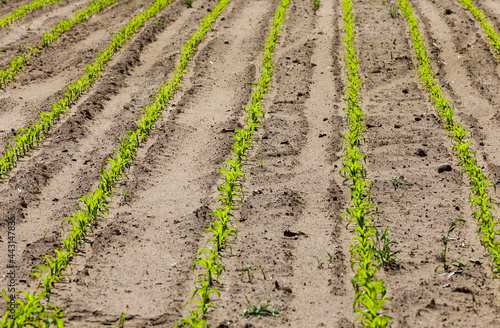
pixel 280 195
pixel 405 138
pixel 136 246
pixel 65 168
pixel 44 80
pixel 39 21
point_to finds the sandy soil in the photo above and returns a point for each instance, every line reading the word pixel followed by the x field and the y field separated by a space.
pixel 138 261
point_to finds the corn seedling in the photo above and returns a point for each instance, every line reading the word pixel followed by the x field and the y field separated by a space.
pixel 369 291
pixel 320 262
pixel 315 6
pixel 255 311
pixel 122 321
pixel 399 181
pixel 96 204
pixel 17 64
pixel 330 259
pixel 443 254
pixel 248 270
pixel 230 190
pixel 479 197
pixel 492 37
pixel 24 10
pixel 32 136
pixel 188 3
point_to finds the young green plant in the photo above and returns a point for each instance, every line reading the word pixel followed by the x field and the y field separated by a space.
pixel 255 311
pixel 443 254
pixel 369 290
pixel 315 6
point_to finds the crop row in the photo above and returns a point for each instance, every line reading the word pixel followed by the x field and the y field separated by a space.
pixel 32 136
pixel 369 291
pixel 479 197
pixel 231 190
pixel 96 204
pixel 491 35
pixel 8 74
pixel 24 10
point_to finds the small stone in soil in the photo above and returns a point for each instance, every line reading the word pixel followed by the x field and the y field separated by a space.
pixel 420 153
pixel 444 167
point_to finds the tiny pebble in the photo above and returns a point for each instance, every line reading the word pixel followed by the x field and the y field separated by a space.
pixel 444 167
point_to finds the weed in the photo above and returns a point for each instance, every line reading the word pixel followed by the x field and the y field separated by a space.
pixel 399 181
pixel 383 253
pixel 320 32
pixel 443 254
pixel 255 311
pixel 394 12
pixel 188 3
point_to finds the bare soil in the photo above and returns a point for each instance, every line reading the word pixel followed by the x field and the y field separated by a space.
pixel 138 261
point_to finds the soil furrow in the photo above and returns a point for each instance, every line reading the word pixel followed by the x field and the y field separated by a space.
pixel 166 224
pixel 407 142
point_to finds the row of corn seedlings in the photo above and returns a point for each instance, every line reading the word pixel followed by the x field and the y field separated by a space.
pixel 231 190
pixel 369 291
pixel 479 197
pixel 94 205
pixel 24 10
pixel 491 35
pixel 33 135
pixel 8 74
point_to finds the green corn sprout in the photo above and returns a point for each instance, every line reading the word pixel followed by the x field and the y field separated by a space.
pixel 369 291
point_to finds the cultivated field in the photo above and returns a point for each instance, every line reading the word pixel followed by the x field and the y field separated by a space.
pixel 284 163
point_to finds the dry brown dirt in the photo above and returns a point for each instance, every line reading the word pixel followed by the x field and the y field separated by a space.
pixel 138 260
